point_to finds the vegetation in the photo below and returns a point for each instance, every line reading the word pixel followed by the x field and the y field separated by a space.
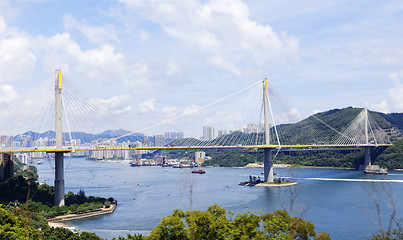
pixel 18 225
pixel 21 190
pixel 301 132
pixel 341 159
pixel 391 158
pixel 392 233
pixel 27 221
pixel 234 158
pixel 215 224
pixel 27 198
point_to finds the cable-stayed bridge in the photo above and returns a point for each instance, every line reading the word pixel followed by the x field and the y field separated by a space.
pixel 64 113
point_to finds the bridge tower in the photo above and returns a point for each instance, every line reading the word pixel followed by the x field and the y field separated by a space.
pixel 59 154
pixel 268 159
pixel 367 148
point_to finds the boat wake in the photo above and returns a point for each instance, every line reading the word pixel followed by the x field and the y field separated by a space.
pixel 356 180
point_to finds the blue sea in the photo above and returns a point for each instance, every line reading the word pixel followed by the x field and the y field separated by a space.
pixel 339 202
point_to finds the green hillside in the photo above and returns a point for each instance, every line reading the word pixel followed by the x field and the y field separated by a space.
pixel 306 131
pixel 312 130
pixel 301 132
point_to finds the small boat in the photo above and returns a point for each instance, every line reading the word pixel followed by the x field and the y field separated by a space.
pixel 200 171
pixel 39 163
pixel 134 164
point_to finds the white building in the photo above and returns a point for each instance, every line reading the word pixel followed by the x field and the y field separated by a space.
pixel 173 135
pixel 208 133
pixel 200 157
pixel 159 140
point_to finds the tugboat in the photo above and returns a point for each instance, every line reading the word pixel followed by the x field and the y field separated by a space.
pixel 200 171
pixel 134 164
pixel 375 170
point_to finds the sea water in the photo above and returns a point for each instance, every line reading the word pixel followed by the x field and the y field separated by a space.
pixel 339 202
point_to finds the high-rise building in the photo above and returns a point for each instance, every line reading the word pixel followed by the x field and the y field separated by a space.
pixel 173 135
pixel 208 133
pixel 199 157
pixel 179 135
pixel 159 140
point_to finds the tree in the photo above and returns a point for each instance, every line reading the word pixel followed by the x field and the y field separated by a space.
pixel 215 224
pixel 280 225
pixel 16 227
pixel 171 227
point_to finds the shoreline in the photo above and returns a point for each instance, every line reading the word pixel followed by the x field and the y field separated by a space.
pixel 58 224
pixel 58 221
pixel 281 165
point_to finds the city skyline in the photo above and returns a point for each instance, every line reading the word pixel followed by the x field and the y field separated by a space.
pixel 153 61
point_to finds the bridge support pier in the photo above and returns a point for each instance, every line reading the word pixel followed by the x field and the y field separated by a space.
pixel 59 179
pixel 268 165
pixel 367 157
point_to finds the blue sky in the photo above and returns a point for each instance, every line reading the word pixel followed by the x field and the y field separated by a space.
pixel 152 60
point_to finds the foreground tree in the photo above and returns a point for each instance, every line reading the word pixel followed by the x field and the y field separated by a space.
pixel 215 224
pixel 16 227
pixel 392 233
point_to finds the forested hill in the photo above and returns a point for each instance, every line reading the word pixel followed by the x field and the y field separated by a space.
pixel 395 118
pixel 342 117
pixel 339 119
pixel 302 133
pixel 390 158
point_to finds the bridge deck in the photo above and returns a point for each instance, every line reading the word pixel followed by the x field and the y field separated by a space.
pixel 51 150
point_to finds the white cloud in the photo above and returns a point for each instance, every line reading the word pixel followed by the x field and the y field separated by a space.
pixel 291 115
pixel 219 62
pixel 6 10
pixel 136 73
pixel 396 93
pixel 148 105
pixel 170 112
pixel 95 34
pixel 3 26
pixel 394 101
pixel 100 64
pixel 17 59
pixel 383 106
pixel 7 93
pixel 222 30
pixel 294 114
pixel 20 53
pixel 192 110
pixel 316 111
pixel 119 104
pixel 173 69
pixel 168 109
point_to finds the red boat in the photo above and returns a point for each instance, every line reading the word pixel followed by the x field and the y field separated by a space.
pixel 200 171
